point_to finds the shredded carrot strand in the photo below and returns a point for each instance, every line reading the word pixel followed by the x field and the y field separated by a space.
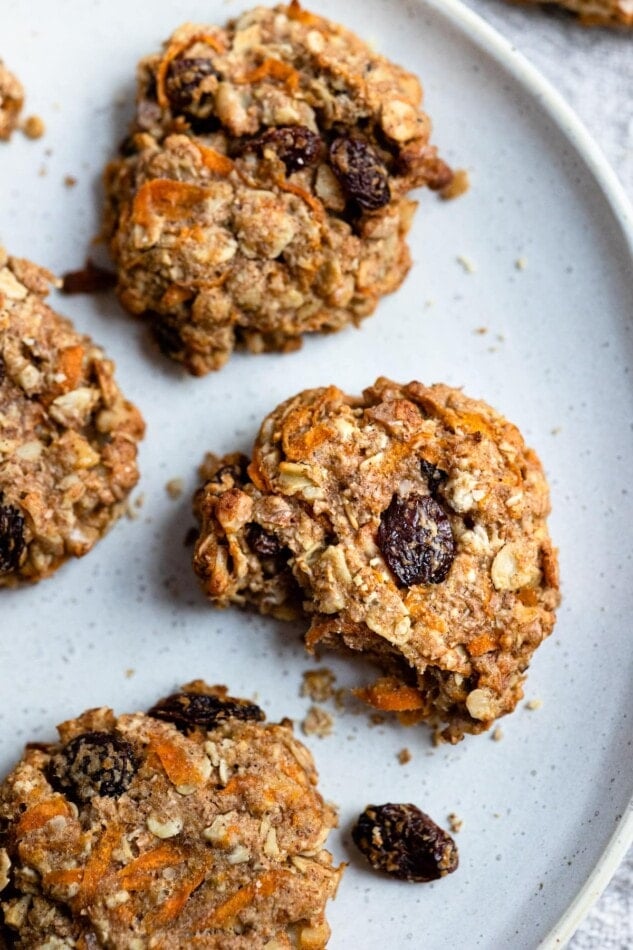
pixel 172 907
pixel 161 857
pixel 390 695
pixel 296 12
pixel 262 886
pixel 177 766
pixel 37 816
pixel 71 365
pixel 309 199
pixel 63 876
pixel 481 644
pixel 215 161
pixel 97 865
pixel 275 69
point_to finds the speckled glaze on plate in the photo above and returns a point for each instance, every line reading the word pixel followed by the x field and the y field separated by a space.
pixel 547 810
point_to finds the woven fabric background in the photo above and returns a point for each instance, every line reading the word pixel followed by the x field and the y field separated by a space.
pixel 593 69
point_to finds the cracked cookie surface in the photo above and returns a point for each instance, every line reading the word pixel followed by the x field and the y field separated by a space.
pixel 194 825
pixel 409 525
pixel 263 191
pixel 68 438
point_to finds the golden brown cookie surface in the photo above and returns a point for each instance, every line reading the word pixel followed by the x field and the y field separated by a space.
pixel 195 825
pixel 68 438
pixel 410 525
pixel 263 192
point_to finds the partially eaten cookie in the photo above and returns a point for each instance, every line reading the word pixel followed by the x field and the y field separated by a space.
pixel 408 525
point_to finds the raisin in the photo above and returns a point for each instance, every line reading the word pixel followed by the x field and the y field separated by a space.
pixel 3 370
pixel 188 710
pixel 361 172
pixel 435 477
pixel 235 471
pixel 93 763
pixel 262 542
pixel 183 84
pixel 12 541
pixel 168 338
pixel 416 540
pixel 296 146
pixel 404 842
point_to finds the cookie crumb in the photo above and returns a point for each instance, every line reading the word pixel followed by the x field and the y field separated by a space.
pixel 455 823
pixel 467 263
pixel 404 756
pixel 459 185
pixel 497 734
pixel 33 127
pixel 377 719
pixel 129 673
pixel 318 684
pixel 481 331
pixel 70 181
pixel 533 704
pixel 318 722
pixel 520 263
pixel 174 488
pixel 556 430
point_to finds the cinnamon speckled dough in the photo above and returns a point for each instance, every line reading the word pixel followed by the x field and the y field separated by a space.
pixel 409 525
pixel 11 100
pixel 68 438
pixel 136 832
pixel 596 12
pixel 263 191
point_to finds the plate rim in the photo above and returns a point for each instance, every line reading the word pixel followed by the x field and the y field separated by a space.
pixel 584 145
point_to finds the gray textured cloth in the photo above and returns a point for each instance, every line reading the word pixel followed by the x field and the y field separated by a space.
pixel 593 69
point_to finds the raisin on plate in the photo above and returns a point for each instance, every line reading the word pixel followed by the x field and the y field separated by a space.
pixel 404 842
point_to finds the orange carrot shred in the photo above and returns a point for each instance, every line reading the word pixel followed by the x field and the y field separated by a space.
pixel 171 908
pixel 481 644
pixel 63 876
pixel 296 12
pixel 37 816
pixel 264 885
pixel 215 161
pixel 276 70
pixel 390 695
pixel 161 857
pixel 309 199
pixel 71 365
pixel 178 768
pixel 164 197
pixel 97 865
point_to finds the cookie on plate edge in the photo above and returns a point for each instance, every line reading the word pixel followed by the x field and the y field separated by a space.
pixel 196 824
pixel 68 437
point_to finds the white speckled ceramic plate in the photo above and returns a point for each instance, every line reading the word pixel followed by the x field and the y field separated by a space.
pixel 545 810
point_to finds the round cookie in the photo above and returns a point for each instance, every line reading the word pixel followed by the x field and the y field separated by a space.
pixel 263 191
pixel 409 525
pixel 11 101
pixel 68 438
pixel 194 825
